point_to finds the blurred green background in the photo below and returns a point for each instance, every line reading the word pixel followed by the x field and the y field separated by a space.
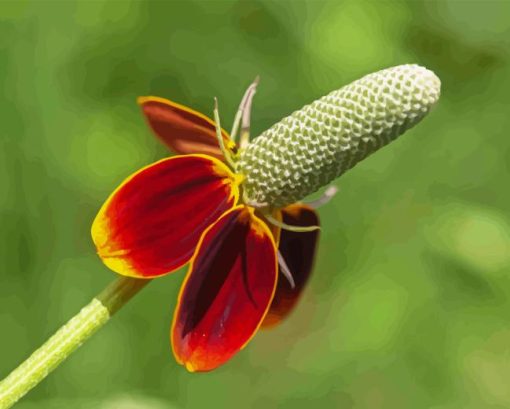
pixel 409 306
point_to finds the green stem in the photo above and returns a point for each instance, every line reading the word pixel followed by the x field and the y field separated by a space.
pixel 67 339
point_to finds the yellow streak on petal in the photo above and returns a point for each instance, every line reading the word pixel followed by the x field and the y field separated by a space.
pixel 121 266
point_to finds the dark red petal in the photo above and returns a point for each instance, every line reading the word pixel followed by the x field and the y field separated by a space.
pixel 152 222
pixel 182 129
pixel 298 250
pixel 227 292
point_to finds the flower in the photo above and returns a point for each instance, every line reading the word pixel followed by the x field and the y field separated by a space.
pixel 186 209
pixel 233 212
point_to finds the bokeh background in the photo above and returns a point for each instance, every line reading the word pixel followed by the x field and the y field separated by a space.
pixel 409 306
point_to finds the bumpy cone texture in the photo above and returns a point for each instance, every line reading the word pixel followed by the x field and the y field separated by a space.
pixel 313 146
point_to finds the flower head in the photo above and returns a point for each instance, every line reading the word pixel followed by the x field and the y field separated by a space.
pixel 232 212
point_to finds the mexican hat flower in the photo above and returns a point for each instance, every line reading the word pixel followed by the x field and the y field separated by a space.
pixel 233 211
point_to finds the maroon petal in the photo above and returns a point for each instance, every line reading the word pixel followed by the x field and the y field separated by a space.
pixel 298 250
pixel 182 129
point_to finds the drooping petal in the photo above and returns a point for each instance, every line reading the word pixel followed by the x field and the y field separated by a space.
pixel 227 292
pixel 182 129
pixel 298 250
pixel 152 222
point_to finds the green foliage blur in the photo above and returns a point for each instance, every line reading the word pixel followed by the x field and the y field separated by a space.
pixel 409 306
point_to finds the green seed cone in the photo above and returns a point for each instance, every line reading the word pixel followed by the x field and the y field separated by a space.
pixel 313 146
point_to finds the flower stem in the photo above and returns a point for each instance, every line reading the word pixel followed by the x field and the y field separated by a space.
pixel 67 339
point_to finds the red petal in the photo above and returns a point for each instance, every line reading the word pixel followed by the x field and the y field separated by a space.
pixel 227 292
pixel 298 250
pixel 152 222
pixel 182 129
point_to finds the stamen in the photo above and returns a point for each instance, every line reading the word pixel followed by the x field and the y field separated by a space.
pixel 284 268
pixel 285 226
pixel 324 199
pixel 245 127
pixel 245 103
pixel 225 152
